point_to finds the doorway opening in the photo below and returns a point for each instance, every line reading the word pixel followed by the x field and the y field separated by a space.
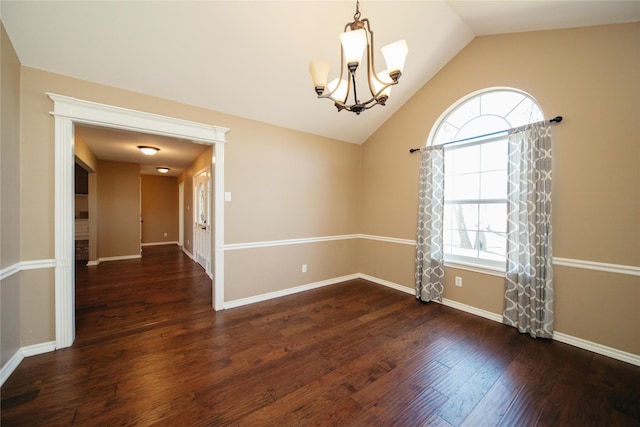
pixel 69 111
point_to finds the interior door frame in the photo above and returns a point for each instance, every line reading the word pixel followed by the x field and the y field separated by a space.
pixel 207 169
pixel 181 214
pixel 69 111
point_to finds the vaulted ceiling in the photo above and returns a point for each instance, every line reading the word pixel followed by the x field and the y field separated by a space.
pixel 251 58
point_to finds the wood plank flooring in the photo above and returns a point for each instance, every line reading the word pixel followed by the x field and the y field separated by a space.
pixel 151 351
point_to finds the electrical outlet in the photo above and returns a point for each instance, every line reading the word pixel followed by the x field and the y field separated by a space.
pixel 304 268
pixel 165 234
pixel 458 281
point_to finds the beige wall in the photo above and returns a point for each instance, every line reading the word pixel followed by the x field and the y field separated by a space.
pixel 159 208
pixel 84 153
pixel 10 153
pixel 37 307
pixel 258 271
pixel 10 333
pixel 596 213
pixel 119 207
pixel 288 185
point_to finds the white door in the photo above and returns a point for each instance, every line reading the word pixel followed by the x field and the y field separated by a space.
pixel 202 219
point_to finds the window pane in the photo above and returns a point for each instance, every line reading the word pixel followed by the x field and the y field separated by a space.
pixel 525 112
pixel 499 103
pixel 493 218
pixel 466 216
pixel 482 125
pixel 463 243
pixel 493 185
pixel 448 216
pixel 466 186
pixel 446 133
pixel 465 160
pixel 494 247
pixel 493 156
pixel 465 112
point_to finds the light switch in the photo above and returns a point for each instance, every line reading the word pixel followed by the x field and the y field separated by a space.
pixel 227 196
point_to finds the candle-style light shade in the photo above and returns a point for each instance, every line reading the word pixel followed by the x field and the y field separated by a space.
pixel 353 45
pixel 395 55
pixel 341 92
pixel 383 76
pixel 319 71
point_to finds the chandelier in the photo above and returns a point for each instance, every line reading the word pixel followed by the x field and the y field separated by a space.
pixel 356 38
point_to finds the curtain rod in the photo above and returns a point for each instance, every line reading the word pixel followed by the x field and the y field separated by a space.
pixel 556 119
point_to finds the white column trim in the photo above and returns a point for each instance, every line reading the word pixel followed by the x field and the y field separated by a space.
pixel 68 111
pixel 64 246
pixel 218 227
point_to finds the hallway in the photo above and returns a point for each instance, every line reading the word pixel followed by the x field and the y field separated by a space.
pixel 122 297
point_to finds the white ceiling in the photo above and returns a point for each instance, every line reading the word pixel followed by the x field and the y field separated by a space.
pixel 122 146
pixel 251 58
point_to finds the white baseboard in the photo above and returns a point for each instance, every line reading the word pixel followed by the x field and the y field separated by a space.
pixel 187 253
pixel 288 291
pixel 19 356
pixel 449 303
pixel 614 353
pixel 10 366
pixel 119 258
pixel 472 310
pixel 159 244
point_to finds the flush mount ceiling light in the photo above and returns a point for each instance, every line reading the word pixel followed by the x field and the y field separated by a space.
pixel 356 38
pixel 149 151
pixel 163 170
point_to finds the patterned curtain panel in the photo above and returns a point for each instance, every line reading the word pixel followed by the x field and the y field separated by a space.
pixel 529 275
pixel 429 254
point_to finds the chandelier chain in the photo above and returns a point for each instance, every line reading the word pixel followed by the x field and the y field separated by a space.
pixel 356 16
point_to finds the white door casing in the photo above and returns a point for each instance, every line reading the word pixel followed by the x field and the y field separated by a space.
pixel 68 111
pixel 181 214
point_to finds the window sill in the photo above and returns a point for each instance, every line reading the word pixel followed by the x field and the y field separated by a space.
pixel 476 268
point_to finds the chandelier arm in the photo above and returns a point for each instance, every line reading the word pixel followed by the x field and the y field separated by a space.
pixel 371 71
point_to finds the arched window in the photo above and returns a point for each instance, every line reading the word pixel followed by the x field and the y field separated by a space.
pixel 475 165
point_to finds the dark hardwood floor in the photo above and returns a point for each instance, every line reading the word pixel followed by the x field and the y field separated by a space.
pixel 151 351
